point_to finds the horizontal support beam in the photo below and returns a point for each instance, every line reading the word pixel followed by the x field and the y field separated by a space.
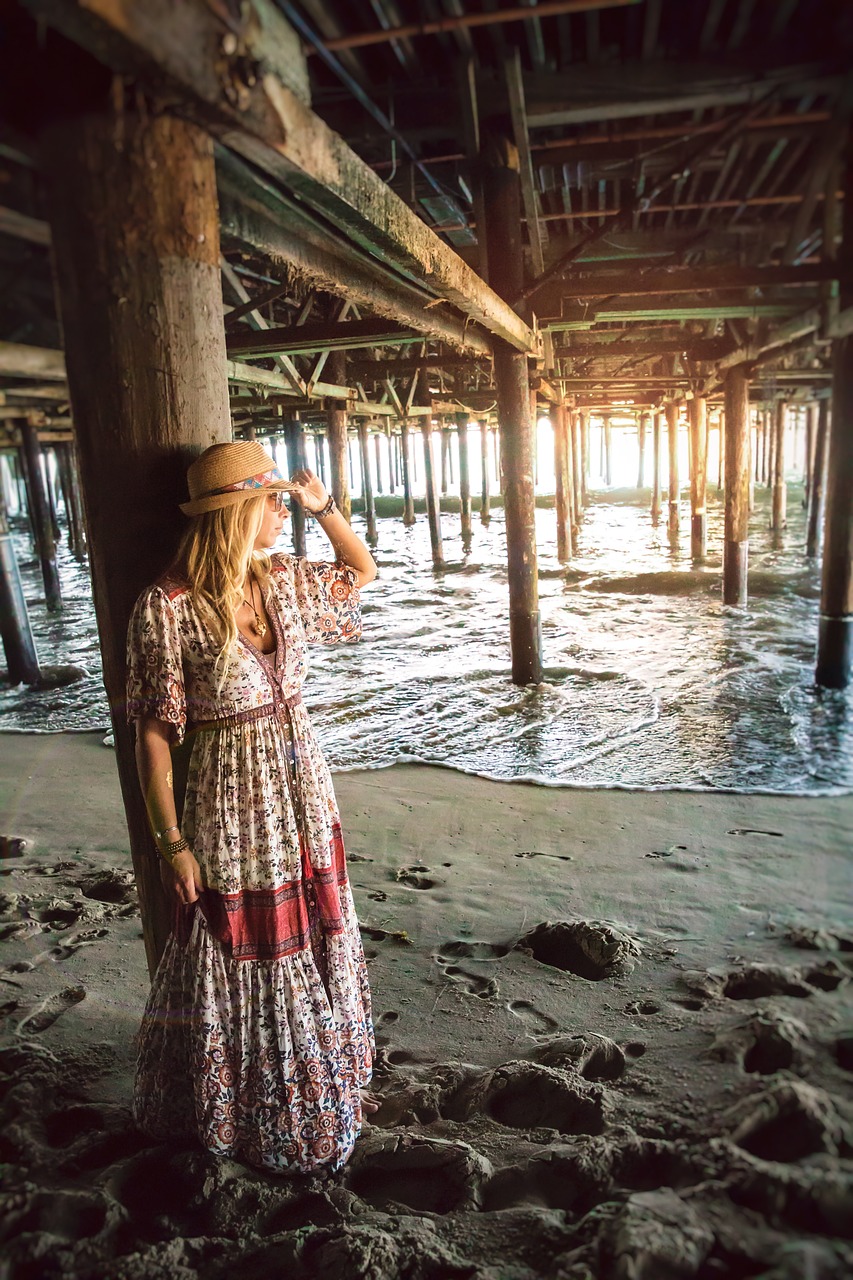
pixel 20 361
pixel 736 311
pixel 270 125
pixel 365 369
pixel 346 335
pixel 465 21
pixel 794 330
pixel 22 227
pixel 695 348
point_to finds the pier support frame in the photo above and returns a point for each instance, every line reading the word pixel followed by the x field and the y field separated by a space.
pixel 294 443
pixel 736 537
pixel 698 416
pixel 22 664
pixel 485 515
pixel 406 470
pixel 608 451
pixel 583 431
pixel 656 494
pixel 131 199
pixel 432 500
pixel 577 483
pixel 641 445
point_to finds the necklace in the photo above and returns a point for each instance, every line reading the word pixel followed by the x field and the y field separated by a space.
pixel 259 626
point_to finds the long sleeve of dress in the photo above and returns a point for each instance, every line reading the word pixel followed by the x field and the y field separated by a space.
pixel 328 600
pixel 155 678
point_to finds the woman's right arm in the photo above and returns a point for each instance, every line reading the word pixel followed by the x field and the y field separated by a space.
pixel 154 765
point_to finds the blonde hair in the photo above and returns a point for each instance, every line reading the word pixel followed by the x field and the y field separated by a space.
pixel 215 555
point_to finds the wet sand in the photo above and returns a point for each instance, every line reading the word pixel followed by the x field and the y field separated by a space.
pixel 616 1037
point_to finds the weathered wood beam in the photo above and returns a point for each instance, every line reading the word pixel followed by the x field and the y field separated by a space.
pixel 22 227
pixel 464 21
pixel 798 327
pixel 696 348
pixel 261 218
pixel 536 231
pixel 179 51
pixel 333 336
pixel 582 319
pixel 388 368
pixel 20 361
pixel 677 280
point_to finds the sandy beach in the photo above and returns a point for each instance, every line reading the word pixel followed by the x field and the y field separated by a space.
pixel 616 1037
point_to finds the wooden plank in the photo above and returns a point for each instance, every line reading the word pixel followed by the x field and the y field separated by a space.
pixel 22 227
pixel 335 336
pixel 20 361
pixel 696 348
pixel 536 231
pixel 798 327
pixel 178 51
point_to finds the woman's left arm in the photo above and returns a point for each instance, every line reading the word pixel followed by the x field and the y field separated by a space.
pixel 313 496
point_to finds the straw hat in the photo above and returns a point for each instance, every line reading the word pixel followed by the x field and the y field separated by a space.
pixel 229 473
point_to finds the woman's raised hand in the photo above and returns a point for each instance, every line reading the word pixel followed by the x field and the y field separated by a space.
pixel 310 491
pixel 182 877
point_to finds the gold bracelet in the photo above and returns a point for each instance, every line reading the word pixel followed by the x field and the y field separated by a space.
pixel 172 848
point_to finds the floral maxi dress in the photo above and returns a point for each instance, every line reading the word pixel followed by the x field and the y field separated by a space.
pixel 257 1034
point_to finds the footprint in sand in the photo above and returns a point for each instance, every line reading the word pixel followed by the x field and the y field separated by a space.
pixel 539 853
pixel 472 950
pixel 471 983
pixel 534 1019
pixel 752 831
pixel 45 1014
pixel 415 877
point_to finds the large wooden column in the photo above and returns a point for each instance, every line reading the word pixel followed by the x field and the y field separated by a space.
pixel 464 479
pixel 583 419
pixel 736 539
pixel 432 503
pixel 656 497
pixel 562 482
pixel 780 489
pixel 697 410
pixel 817 489
pixel 367 481
pixel 40 514
pixel 835 640
pixel 502 200
pixel 608 451
pixel 641 443
pixel 808 454
pixel 135 227
pixel 405 466
pixel 294 443
pixel 71 497
pixel 336 434
pixel 377 453
pixel 674 517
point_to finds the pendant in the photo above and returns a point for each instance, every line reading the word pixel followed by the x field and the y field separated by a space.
pixel 260 626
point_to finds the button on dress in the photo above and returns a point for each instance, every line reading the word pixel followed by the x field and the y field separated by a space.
pixel 257 1034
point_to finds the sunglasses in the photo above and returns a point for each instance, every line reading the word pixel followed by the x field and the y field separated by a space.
pixel 277 500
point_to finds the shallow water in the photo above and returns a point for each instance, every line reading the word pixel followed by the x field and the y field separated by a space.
pixel 650 680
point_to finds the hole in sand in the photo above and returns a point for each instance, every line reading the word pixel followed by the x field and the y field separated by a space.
pixel 635 1049
pixel 539 1099
pixel 426 1189
pixel 585 948
pixel 753 983
pixel 61 1128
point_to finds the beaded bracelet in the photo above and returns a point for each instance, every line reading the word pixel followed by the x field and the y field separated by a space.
pixel 326 510
pixel 172 848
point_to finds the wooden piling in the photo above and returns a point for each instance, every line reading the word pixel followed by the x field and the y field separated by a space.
pixel 771 448
pixel 464 479
pixel 484 467
pixel 808 455
pixel 835 640
pixel 697 410
pixel 431 482
pixel 71 498
pixel 405 460
pixel 393 459
pixel 608 451
pixel 641 444
pixel 736 538
pixel 367 481
pixel 583 419
pixel 563 482
pixel 22 665
pixel 656 493
pixel 131 201
pixel 502 200
pixel 320 454
pixel 41 516
pixel 780 488
pixel 577 483
pixel 817 489
pixel 294 443
pixel 377 451
pixel 674 516
pixel 446 464
pixel 336 434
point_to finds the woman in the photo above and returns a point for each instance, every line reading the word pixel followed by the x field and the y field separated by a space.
pixel 257 1035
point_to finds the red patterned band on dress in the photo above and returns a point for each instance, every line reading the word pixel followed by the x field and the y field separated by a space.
pixel 254 713
pixel 261 481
